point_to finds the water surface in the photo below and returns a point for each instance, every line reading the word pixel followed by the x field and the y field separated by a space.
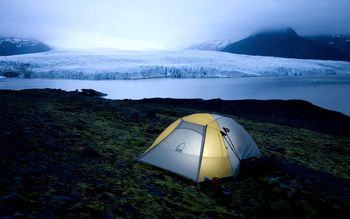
pixel 331 92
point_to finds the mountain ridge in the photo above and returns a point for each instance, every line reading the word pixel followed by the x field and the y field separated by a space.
pixel 17 46
pixel 338 42
pixel 285 43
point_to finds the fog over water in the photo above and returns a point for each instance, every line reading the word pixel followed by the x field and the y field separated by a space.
pixel 164 24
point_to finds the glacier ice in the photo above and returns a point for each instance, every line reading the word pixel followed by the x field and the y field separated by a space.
pixel 114 64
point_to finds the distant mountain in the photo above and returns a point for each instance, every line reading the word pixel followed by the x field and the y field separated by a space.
pixel 213 45
pixel 338 42
pixel 285 43
pixel 15 46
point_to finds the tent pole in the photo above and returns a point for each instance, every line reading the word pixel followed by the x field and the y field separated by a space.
pixel 232 145
pixel 233 149
pixel 202 150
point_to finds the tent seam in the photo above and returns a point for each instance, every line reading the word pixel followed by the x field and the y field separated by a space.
pixel 159 142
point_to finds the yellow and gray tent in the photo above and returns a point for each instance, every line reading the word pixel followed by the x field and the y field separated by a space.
pixel 201 145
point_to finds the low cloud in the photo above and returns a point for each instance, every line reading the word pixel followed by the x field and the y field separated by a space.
pixel 157 24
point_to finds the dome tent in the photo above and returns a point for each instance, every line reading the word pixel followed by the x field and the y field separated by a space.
pixel 201 145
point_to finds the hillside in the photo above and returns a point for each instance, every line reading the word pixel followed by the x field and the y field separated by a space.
pixel 66 155
pixel 338 42
pixel 285 43
pixel 14 46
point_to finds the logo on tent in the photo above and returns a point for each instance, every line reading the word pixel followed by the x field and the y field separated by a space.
pixel 180 147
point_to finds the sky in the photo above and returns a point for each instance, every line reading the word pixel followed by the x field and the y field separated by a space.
pixel 165 24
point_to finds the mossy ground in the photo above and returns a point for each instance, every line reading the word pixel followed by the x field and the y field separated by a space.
pixel 63 155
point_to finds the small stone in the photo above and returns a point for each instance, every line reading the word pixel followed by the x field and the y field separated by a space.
pixel 71 215
pixel 12 196
pixel 75 196
pixel 272 180
pixel 18 180
pixel 107 196
pixel 7 217
pixel 278 149
pixel 19 214
pixel 155 191
pixel 59 198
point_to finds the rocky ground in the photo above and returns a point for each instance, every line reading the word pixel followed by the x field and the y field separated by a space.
pixel 68 155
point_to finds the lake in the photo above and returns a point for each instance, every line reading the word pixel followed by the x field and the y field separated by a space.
pixel 331 92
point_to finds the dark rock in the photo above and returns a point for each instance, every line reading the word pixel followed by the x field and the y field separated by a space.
pixel 133 116
pixel 272 180
pixel 107 196
pixel 155 190
pixel 38 188
pixel 15 46
pixel 71 215
pixel 12 196
pixel 146 115
pixel 60 198
pixel 91 93
pixel 128 209
pixel 47 214
pixel 7 217
pixel 256 166
pixel 110 215
pixel 10 74
pixel 278 149
pixel 90 152
pixel 19 215
pixel 18 180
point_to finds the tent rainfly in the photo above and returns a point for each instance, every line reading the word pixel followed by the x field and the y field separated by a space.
pixel 201 145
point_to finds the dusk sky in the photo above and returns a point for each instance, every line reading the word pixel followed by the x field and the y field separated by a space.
pixel 161 24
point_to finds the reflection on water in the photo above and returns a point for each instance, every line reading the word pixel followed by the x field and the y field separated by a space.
pixel 332 92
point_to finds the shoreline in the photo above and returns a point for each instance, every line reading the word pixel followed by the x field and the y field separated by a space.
pixel 327 91
pixel 294 112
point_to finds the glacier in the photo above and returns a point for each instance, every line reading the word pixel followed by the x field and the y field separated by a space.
pixel 105 64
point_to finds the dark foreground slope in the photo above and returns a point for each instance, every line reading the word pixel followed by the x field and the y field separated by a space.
pixel 297 113
pixel 64 155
